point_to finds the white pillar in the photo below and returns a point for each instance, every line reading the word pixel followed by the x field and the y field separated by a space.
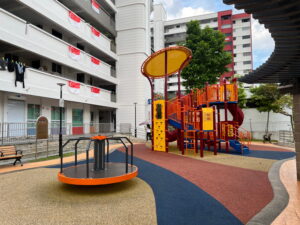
pixel 133 47
pixel 159 18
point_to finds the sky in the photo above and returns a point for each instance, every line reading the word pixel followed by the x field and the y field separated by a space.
pixel 262 42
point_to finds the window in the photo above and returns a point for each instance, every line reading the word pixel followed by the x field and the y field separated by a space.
pixel 247 54
pixel 92 118
pixel 56 68
pixel 246 45
pixel 80 46
pixel 228 43
pixel 234 55
pixel 247 62
pixel 33 111
pixel 234 38
pixel 55 114
pixel 39 26
pixel 234 47
pixel 246 37
pixel 245 20
pixel 178 26
pixel 225 17
pixel 245 28
pixel 9 57
pixel 80 77
pixel 55 120
pixel 57 34
pixel 227 34
pixel 77 117
pixel 226 26
pixel 36 64
pixel 233 22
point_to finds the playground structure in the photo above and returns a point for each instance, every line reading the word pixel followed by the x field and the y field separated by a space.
pixel 101 171
pixel 193 120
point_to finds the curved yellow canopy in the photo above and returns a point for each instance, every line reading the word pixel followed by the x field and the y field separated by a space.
pixel 166 62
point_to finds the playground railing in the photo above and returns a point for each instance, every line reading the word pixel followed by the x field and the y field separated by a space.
pixel 244 137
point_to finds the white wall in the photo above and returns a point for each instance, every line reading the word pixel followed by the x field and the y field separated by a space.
pixel 133 47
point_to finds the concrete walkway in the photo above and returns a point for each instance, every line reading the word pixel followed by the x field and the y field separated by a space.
pixel 10 168
pixel 291 214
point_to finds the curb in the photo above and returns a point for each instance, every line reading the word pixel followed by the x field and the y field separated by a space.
pixel 281 197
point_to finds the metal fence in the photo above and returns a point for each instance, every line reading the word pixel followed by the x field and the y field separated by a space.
pixel 286 137
pixel 26 132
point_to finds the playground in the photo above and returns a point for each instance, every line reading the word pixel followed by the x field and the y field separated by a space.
pixel 200 168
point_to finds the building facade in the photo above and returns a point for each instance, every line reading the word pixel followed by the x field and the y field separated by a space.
pixel 236 27
pixel 89 46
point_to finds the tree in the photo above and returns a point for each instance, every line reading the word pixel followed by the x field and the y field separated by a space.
pixel 209 58
pixel 265 97
pixel 242 96
pixel 286 102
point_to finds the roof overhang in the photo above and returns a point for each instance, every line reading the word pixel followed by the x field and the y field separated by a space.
pixel 282 18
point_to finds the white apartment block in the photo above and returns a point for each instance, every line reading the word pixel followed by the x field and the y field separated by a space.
pixel 236 27
pixel 96 48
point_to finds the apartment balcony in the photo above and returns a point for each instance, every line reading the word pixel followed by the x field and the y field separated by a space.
pixel 175 88
pixel 175 30
pixel 111 4
pixel 17 32
pixel 175 38
pixel 59 14
pixel 39 83
pixel 84 9
pixel 173 80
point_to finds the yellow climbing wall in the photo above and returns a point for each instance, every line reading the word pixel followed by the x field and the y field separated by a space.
pixel 159 140
pixel 208 119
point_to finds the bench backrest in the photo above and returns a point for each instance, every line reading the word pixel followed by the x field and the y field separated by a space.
pixel 8 150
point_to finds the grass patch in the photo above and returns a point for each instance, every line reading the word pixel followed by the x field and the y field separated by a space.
pixel 51 157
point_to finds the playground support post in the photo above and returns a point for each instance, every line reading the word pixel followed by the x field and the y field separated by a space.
pixel 60 127
pixel 166 101
pixel 135 129
pixel 151 81
pixel 219 126
pixel 215 131
pixel 226 115
pixel 201 134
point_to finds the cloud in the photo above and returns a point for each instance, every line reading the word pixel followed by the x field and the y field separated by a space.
pixel 261 37
pixel 189 11
pixel 263 44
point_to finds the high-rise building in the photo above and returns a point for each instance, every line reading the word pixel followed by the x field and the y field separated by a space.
pixel 236 27
pixel 95 48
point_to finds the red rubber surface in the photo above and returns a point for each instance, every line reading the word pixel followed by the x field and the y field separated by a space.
pixel 243 192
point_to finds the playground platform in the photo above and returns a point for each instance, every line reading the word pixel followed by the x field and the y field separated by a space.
pixel 170 189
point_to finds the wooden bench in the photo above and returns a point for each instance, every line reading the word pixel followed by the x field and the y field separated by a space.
pixel 10 152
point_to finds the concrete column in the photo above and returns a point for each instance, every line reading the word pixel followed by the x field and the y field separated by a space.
pixel 296 112
pixel 159 18
pixel 133 47
pixel 86 118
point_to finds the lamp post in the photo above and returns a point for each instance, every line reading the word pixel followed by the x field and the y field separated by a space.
pixel 61 105
pixel 135 130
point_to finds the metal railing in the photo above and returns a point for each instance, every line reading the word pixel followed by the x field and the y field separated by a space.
pixel 113 97
pixel 26 132
pixel 113 73
pixel 286 137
